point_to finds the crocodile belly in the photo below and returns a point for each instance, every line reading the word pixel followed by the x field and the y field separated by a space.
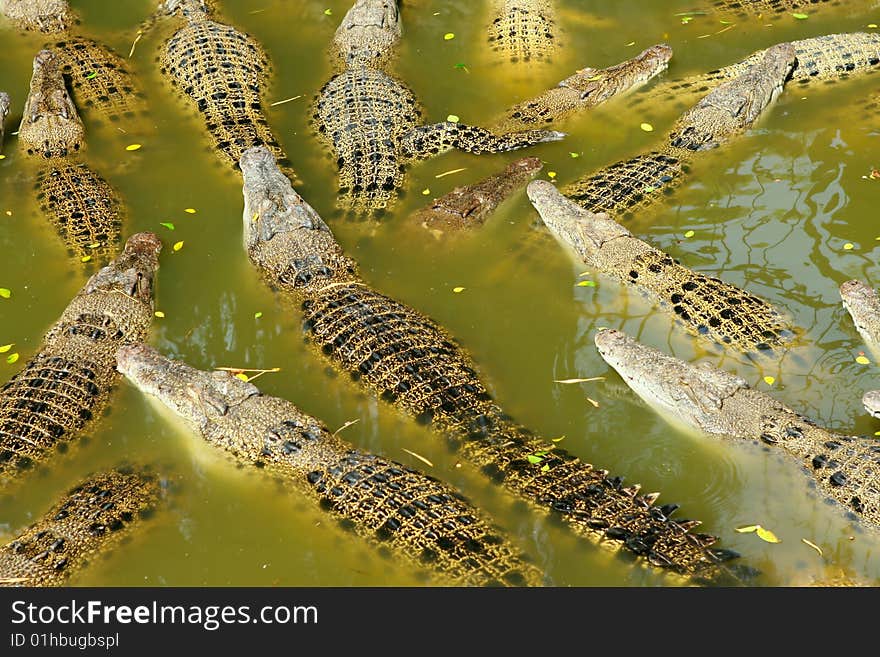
pixel 362 113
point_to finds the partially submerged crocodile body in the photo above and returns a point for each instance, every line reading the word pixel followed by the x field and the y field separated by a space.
pixel 99 79
pixel 523 30
pixel 4 112
pixel 83 207
pixel 706 306
pixel 67 383
pixel 224 73
pixel 821 59
pixel 719 116
pixel 863 305
pixel 371 121
pixel 468 207
pixel 90 519
pixel 407 359
pixel 845 469
pixel 587 88
pixel 388 504
pixel 775 8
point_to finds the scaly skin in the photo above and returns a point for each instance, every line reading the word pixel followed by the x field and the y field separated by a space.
pixel 100 81
pixel 91 519
pixel 223 72
pixel 844 468
pixel 468 207
pixel 776 8
pixel 863 304
pixel 83 207
pixel 706 306
pixel 721 115
pixel 822 59
pixel 386 503
pixel 405 358
pixel 371 121
pixel 587 88
pixel 67 383
pixel 4 112
pixel 523 31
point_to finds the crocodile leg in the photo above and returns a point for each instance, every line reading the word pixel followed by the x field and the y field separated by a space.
pixel 428 140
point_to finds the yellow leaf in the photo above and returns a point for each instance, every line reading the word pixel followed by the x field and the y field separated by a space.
pixel 452 118
pixel 748 529
pixel 767 535
pixel 449 36
pixel 769 380
pixel 848 246
pixel 458 289
pixel 690 233
pixel 242 376
pixel 178 245
pixel 5 348
pixel 189 210
pixel 133 147
pixel 159 313
pixel 426 191
pixel 861 360
pixel 5 292
pixel 85 258
pixel 647 127
pixel 551 174
pixel 11 358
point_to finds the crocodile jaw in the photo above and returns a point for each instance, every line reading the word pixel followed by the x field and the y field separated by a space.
pixel 368 32
pixel 196 396
pixel 581 230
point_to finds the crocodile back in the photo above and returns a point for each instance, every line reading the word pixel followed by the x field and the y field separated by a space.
pixel 523 30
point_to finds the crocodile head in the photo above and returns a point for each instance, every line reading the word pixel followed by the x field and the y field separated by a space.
pixel 863 304
pixel 735 105
pixel 197 396
pixel 283 235
pixel 368 32
pixel 573 226
pixel 50 126
pixel 596 86
pixel 687 394
pixel 187 8
pixel 49 16
pixel 132 272
pixel 871 402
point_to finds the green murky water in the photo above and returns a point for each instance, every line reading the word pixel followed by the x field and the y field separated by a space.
pixel 772 212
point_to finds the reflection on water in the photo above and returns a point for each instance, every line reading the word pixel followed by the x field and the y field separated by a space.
pixel 772 212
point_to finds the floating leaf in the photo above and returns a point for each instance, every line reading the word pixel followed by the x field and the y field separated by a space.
pixel 861 360
pixel 462 67
pixel 2 157
pixel 449 36
pixel 631 43
pixel 426 192
pixel 690 233
pixel 748 529
pixel 872 25
pixel 167 224
pixel 242 376
pixel 848 246
pixel 328 12
pixel 574 155
pixel 769 380
pixel 458 289
pixel 587 284
pixel 92 75
pixel 257 315
pixel 649 189
pixel 551 174
pixel 178 245
pixel 189 210
pixel 593 402
pixel 647 127
pixel 11 358
pixel 812 545
pixel 5 292
pixel 85 258
pixel 767 535
pixel 133 147
pixel 801 17
pixel 159 314
pixel 545 468
pixel 534 459
pixel 450 172
pixel 452 118
pixel 568 381
pixel 561 438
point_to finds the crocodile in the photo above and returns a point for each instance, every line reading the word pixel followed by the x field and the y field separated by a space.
pixel 523 31
pixel 223 72
pixel 469 206
pixel 388 504
pixel 723 113
pixel 84 209
pixel 587 88
pixel 101 83
pixel 89 520
pixel 67 383
pixel 371 121
pixel 863 304
pixel 822 59
pixel 408 360
pixel 844 468
pixel 777 8
pixel 706 306
pixel 4 112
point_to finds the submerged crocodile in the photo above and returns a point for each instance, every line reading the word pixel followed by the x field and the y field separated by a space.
pixel 4 112
pixel 774 8
pixel 823 59
pixel 523 30
pixel 716 118
pixel 387 503
pixel 99 78
pixel 224 73
pixel 863 305
pixel 587 88
pixel 67 383
pixel 89 520
pixel 469 206
pixel 406 359
pixel 83 207
pixel 845 469
pixel 706 306
pixel 371 121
